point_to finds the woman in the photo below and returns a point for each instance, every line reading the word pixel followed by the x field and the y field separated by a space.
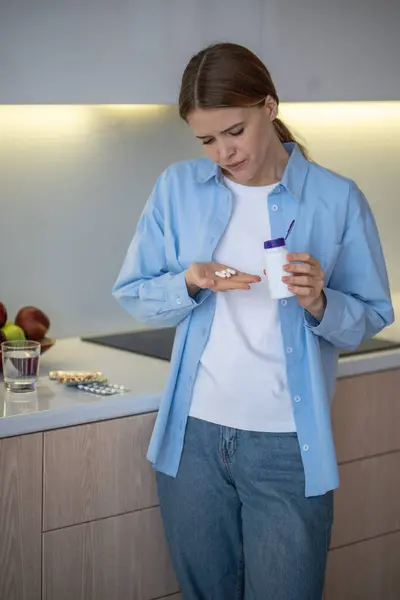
pixel 243 444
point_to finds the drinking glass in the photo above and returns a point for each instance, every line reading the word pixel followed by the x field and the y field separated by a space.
pixel 20 365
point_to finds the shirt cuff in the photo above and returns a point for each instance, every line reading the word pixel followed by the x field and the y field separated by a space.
pixel 178 295
pixel 332 315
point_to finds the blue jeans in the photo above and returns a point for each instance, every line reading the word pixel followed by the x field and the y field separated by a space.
pixel 237 521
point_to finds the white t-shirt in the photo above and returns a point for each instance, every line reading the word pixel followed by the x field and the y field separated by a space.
pixel 241 379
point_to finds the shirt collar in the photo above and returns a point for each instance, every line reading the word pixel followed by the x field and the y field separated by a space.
pixel 293 178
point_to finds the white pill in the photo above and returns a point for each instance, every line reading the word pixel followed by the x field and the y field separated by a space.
pixel 231 271
pixel 221 274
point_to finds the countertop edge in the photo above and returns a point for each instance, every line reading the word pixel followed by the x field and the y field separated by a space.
pixel 130 405
pixel 103 410
pixel 371 362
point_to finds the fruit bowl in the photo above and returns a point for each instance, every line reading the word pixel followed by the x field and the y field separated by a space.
pixel 45 344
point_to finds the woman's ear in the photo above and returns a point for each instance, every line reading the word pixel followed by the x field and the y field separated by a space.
pixel 271 106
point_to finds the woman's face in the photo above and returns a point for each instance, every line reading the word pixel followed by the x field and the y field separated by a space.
pixel 239 140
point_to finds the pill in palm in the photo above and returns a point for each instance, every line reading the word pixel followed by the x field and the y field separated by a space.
pixel 221 274
pixel 231 271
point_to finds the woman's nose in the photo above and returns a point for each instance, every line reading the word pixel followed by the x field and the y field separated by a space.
pixel 226 152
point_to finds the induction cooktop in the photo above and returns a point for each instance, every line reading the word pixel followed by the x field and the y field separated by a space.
pixel 157 343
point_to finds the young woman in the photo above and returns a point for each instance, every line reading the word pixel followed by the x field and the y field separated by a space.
pixel 243 444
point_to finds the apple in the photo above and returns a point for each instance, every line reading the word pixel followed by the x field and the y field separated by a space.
pixel 13 332
pixel 33 321
pixel 2 336
pixel 3 314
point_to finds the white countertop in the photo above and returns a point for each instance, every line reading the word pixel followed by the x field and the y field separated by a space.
pixel 54 405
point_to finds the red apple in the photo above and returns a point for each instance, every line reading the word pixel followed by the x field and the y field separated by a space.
pixel 2 336
pixel 3 314
pixel 33 321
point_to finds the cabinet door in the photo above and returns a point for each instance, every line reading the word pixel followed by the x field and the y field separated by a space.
pixel 129 51
pixel 97 470
pixel 332 50
pixel 117 558
pixel 366 415
pixel 20 517
pixel 365 571
pixel 367 501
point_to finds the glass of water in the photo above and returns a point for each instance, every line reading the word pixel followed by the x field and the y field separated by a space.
pixel 20 365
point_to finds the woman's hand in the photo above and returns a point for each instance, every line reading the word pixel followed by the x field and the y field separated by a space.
pixel 202 276
pixel 306 281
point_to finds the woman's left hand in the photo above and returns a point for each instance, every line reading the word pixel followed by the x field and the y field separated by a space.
pixel 306 281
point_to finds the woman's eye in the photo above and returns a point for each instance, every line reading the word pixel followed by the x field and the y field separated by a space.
pixel 206 142
pixel 239 132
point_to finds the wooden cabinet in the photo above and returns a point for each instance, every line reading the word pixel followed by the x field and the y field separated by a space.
pixel 365 571
pixel 365 549
pixel 129 52
pixel 119 557
pixel 366 415
pixel 97 470
pixel 340 50
pixel 21 517
pixel 367 502
pixel 97 533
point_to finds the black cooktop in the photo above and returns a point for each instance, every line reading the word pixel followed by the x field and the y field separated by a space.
pixel 158 343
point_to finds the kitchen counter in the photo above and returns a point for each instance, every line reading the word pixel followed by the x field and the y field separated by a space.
pixel 80 478
pixel 54 406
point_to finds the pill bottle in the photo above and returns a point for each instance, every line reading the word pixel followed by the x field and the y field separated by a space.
pixel 275 252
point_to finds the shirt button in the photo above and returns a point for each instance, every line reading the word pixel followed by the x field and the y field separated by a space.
pixel 274 207
pixel 284 302
pixel 278 189
pixel 289 350
pixel 178 300
pixel 297 399
pixel 305 448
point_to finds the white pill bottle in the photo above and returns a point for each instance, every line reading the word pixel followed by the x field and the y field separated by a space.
pixel 275 253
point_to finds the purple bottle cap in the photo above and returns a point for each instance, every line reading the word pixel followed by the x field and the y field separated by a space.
pixel 276 243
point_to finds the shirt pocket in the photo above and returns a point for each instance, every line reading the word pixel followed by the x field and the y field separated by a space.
pixel 328 261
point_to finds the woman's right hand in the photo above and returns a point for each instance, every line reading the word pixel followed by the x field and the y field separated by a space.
pixel 200 276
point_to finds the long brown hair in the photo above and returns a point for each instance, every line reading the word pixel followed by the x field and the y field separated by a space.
pixel 229 75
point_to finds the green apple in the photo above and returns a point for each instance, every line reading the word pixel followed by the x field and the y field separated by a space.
pixel 13 332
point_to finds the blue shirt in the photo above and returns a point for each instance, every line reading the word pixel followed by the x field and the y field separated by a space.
pixel 183 221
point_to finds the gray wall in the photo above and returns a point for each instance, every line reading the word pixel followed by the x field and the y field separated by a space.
pixel 73 181
pixel 72 187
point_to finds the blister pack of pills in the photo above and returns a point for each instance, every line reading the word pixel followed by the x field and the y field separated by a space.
pixel 102 389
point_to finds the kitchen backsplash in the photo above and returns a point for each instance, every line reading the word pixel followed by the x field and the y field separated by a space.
pixel 74 180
